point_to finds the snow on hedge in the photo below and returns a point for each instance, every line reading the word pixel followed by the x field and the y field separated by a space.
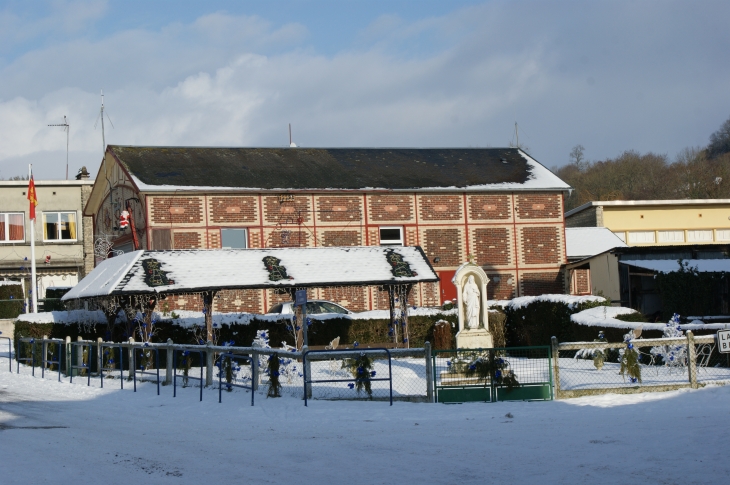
pixel 605 316
pixel 571 300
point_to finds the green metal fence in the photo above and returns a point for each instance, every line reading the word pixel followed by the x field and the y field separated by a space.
pixel 491 375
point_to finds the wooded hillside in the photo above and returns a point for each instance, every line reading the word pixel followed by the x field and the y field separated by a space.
pixel 696 173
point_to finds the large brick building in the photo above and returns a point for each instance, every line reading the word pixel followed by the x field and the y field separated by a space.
pixel 499 206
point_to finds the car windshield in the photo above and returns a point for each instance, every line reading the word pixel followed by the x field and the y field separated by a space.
pixel 328 307
pixel 276 308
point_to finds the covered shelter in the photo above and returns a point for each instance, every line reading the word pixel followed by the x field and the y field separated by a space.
pixel 138 280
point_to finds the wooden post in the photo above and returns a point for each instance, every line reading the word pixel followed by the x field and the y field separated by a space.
pixel 169 370
pixel 67 353
pixel 391 301
pixel 556 366
pixel 208 313
pixel 429 371
pixel 209 364
pixel 692 358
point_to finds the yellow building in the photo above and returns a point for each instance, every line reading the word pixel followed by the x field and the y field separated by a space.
pixel 658 222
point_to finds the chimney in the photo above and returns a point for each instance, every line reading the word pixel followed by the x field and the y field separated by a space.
pixel 82 174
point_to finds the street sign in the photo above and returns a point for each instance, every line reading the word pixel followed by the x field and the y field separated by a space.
pixel 300 298
pixel 723 341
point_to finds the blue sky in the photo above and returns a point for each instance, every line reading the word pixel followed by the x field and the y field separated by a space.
pixel 612 76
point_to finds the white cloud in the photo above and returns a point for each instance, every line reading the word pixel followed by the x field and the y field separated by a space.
pixel 600 79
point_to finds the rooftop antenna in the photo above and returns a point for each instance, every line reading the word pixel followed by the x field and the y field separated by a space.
pixel 291 143
pixel 66 128
pixel 101 117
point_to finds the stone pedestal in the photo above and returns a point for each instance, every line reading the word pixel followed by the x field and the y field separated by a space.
pixel 476 338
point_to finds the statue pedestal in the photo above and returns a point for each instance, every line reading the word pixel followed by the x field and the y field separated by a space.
pixel 476 338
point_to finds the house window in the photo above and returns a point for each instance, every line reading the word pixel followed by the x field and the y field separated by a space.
pixel 234 238
pixel 641 237
pixel 699 236
pixel 671 236
pixel 59 226
pixel 391 236
pixel 12 227
pixel 722 235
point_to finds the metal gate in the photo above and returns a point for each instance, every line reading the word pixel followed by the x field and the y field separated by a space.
pixel 491 375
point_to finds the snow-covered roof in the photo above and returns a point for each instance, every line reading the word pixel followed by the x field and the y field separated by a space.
pixel 669 265
pixel 209 169
pixel 644 203
pixel 584 242
pixel 180 271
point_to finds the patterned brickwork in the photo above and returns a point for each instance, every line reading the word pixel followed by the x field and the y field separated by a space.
pixel 445 244
pixel 489 207
pixel 373 236
pixel 294 212
pixel 434 207
pixel 176 210
pixel 430 294
pixel 340 238
pixel 187 240
pixel 293 237
pixel 214 239
pixel 411 236
pixel 538 206
pixel 192 302
pixel 353 298
pixel 250 301
pixel 233 210
pixel 390 208
pixel 541 245
pixel 380 298
pixel 338 209
pixel 534 284
pixel 504 289
pixel 492 246
pixel 254 238
pixel 582 281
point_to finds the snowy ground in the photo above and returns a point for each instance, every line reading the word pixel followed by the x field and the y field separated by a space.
pixel 65 433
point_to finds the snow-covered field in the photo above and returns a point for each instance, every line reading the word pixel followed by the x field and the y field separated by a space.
pixel 65 433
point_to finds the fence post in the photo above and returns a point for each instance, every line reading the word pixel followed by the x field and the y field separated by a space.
pixel 556 365
pixel 308 367
pixel 168 368
pixel 44 351
pixel 79 355
pixel 99 357
pixel 67 353
pixel 208 364
pixel 429 371
pixel 130 359
pixel 255 370
pixel 692 357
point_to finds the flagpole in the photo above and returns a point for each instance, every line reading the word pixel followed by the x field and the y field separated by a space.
pixel 33 283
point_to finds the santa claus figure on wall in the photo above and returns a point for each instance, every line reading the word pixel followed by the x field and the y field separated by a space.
pixel 124 220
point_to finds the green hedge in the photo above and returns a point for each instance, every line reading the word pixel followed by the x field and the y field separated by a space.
pixel 537 322
pixel 11 309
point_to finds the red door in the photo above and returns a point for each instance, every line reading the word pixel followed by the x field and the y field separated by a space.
pixel 448 290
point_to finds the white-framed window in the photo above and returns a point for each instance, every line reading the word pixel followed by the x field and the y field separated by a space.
pixel 621 235
pixel 722 234
pixel 641 237
pixel 391 236
pixel 59 226
pixel 700 236
pixel 234 238
pixel 671 236
pixel 12 227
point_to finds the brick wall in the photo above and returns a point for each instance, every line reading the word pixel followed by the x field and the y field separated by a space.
pixel 490 207
pixel 250 301
pixel 445 244
pixel 176 210
pixel 582 281
pixel 541 245
pixel 339 209
pixel 352 298
pixel 539 206
pixel 435 207
pixel 539 283
pixel 504 289
pixel 340 238
pixel 292 236
pixel 492 246
pixel 586 218
pixel 390 208
pixel 187 240
pixel 288 212
pixel 233 210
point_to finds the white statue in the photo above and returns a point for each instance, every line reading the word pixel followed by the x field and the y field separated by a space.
pixel 471 296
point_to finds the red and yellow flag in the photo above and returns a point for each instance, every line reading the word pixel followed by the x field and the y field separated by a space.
pixel 32 198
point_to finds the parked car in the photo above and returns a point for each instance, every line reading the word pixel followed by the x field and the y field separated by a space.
pixel 314 307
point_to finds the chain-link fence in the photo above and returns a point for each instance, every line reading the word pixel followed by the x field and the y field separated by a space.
pixel 640 365
pixel 498 374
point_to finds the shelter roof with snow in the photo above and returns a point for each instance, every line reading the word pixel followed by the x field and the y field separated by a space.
pixel 188 271
pixel 585 242
pixel 163 168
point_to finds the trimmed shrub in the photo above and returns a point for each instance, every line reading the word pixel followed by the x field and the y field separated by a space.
pixel 538 321
pixel 11 309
